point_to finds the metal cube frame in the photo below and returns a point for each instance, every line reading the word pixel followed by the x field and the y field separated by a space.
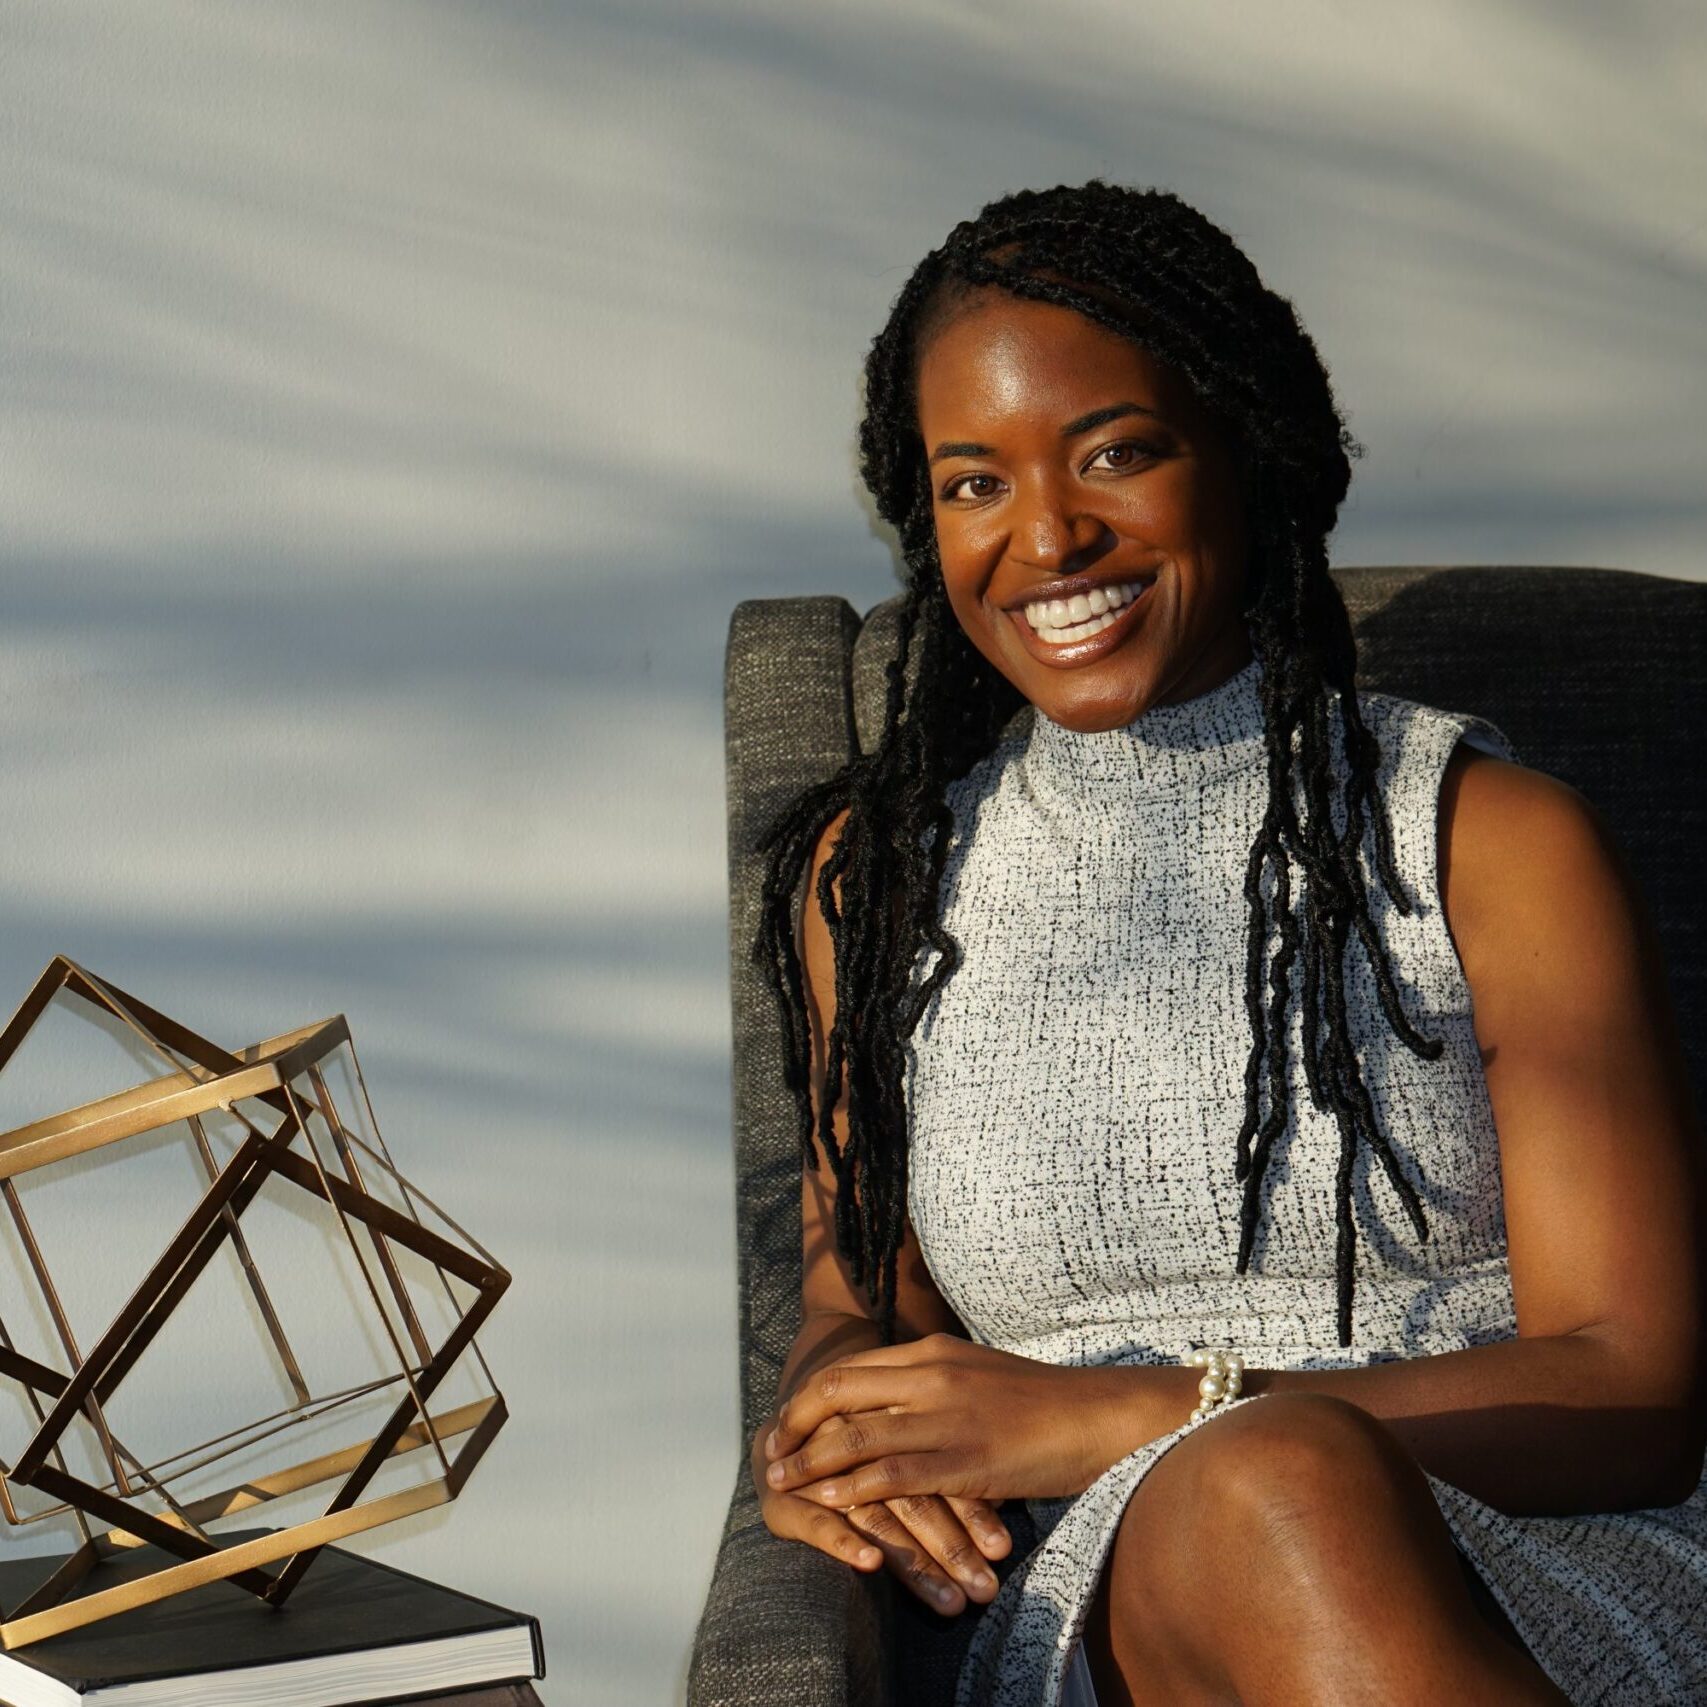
pixel 282 1081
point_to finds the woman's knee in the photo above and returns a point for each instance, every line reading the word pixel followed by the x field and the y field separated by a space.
pixel 1266 1526
pixel 1299 1461
pixel 1290 1473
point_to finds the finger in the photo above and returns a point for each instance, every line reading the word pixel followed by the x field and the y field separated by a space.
pixel 981 1519
pixel 909 1559
pixel 939 1529
pixel 926 1349
pixel 861 1438
pixel 838 1387
pixel 984 1525
pixel 829 1531
pixel 886 1478
pixel 831 1424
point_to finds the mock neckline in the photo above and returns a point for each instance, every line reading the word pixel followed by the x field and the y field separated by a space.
pixel 1168 746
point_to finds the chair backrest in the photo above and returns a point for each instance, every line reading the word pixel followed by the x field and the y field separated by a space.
pixel 1598 676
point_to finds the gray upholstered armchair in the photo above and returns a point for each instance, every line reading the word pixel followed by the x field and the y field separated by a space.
pixel 1598 676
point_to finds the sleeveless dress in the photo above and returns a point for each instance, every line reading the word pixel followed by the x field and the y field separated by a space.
pixel 1074 1092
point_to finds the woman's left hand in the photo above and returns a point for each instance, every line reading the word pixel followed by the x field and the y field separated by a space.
pixel 954 1418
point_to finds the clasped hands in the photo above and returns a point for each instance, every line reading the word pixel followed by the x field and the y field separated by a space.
pixel 912 1445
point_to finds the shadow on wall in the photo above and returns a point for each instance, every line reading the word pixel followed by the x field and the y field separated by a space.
pixel 526 302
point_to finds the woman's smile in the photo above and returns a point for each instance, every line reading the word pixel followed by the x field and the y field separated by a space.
pixel 1065 631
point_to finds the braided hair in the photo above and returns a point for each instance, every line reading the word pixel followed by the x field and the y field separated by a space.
pixel 1156 271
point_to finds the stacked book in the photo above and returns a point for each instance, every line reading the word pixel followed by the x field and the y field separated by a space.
pixel 354 1632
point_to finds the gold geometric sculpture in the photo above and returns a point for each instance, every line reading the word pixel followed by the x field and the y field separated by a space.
pixel 261 1128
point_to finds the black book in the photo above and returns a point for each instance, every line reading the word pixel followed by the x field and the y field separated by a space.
pixel 353 1631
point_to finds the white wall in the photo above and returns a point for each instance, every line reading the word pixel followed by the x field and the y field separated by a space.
pixel 395 400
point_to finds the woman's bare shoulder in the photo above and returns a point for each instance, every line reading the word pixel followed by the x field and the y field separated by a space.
pixel 1527 866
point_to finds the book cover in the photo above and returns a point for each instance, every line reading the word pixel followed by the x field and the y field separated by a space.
pixel 345 1605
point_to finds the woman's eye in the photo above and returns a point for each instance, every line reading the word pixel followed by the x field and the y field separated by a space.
pixel 1136 450
pixel 1127 454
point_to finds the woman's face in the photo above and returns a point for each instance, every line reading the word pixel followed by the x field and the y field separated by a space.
pixel 1065 462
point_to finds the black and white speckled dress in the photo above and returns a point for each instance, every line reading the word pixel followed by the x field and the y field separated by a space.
pixel 1074 1092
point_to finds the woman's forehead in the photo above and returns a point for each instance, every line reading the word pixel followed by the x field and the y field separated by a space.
pixel 1006 355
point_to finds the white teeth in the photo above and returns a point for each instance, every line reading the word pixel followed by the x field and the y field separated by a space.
pixel 1085 614
pixel 1078 631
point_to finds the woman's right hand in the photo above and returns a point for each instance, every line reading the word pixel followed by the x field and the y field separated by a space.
pixel 936 1545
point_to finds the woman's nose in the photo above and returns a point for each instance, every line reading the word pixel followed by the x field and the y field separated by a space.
pixel 1047 536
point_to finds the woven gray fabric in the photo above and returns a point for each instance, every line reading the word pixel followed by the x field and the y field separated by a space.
pixel 786 1623
pixel 1596 675
pixel 781 1623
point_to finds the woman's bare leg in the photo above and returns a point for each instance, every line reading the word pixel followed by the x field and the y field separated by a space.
pixel 1292 1553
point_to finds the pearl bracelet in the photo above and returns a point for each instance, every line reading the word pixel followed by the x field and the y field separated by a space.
pixel 1223 1375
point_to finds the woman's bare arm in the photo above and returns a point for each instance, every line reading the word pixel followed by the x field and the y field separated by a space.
pixel 836 1316
pixel 939 1546
pixel 1599 1403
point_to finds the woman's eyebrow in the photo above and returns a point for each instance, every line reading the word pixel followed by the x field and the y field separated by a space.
pixel 1096 418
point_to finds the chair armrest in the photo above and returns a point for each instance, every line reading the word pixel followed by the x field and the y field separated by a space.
pixel 785 1625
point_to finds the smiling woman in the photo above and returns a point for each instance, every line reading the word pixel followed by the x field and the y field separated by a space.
pixel 1156 515
pixel 1266 1013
